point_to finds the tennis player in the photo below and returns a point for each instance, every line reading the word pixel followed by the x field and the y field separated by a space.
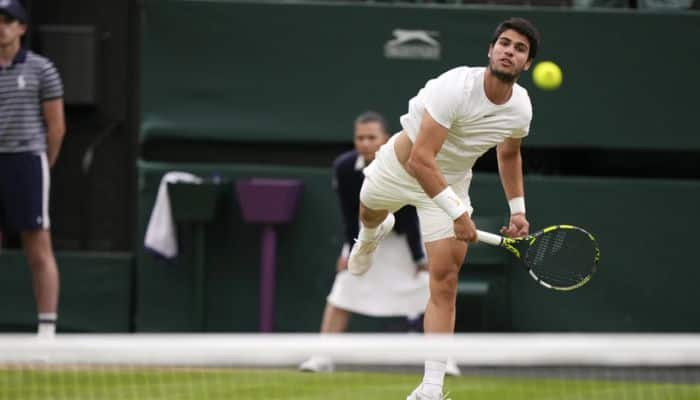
pixel 450 123
pixel 398 285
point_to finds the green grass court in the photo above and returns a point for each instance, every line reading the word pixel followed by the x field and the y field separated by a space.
pixel 81 383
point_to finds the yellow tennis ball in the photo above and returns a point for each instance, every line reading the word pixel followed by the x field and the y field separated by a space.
pixel 547 75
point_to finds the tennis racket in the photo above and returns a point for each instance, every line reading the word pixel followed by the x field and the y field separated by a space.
pixel 560 257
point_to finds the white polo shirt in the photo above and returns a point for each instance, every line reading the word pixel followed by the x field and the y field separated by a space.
pixel 457 100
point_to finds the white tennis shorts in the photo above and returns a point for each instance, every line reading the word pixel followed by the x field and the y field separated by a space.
pixel 388 186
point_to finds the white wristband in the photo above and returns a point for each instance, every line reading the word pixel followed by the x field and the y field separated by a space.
pixel 345 251
pixel 517 205
pixel 451 203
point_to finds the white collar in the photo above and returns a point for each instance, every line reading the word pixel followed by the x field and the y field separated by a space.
pixel 359 162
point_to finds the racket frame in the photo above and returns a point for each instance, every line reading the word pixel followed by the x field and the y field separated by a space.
pixel 519 246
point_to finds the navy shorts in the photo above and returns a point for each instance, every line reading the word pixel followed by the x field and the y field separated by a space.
pixel 24 191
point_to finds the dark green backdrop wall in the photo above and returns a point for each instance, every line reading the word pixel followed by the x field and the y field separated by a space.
pixel 297 72
pixel 96 292
pixel 646 280
pixel 306 252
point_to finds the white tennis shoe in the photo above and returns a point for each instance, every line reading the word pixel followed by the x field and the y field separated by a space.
pixel 317 364
pixel 360 259
pixel 451 368
pixel 417 394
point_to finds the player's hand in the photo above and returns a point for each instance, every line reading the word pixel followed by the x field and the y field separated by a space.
pixel 518 226
pixel 465 229
pixel 342 264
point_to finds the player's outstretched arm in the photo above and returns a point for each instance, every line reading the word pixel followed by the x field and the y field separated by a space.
pixel 511 172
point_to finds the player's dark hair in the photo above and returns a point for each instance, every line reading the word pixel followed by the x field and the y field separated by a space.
pixel 373 116
pixel 523 27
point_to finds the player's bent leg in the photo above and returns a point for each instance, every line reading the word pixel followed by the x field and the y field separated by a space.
pixel 45 278
pixel 374 226
pixel 371 218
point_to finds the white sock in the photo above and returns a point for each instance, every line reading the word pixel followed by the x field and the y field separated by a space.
pixel 47 325
pixel 367 234
pixel 433 378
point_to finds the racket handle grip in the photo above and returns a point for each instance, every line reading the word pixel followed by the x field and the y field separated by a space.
pixel 488 238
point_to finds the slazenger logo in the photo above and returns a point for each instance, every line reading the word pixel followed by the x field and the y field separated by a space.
pixel 413 44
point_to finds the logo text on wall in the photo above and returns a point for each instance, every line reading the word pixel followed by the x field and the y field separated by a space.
pixel 413 45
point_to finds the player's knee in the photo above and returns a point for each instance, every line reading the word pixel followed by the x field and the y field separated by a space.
pixel 443 285
pixel 371 217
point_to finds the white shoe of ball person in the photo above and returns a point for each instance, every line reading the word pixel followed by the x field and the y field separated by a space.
pixel 360 259
pixel 317 364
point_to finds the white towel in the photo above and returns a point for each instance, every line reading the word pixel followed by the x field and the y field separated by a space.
pixel 161 234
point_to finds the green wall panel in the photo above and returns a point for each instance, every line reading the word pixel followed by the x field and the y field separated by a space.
pixel 647 277
pixel 300 72
pixel 307 250
pixel 95 294
pixel 646 280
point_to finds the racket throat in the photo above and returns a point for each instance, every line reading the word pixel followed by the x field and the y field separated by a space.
pixel 512 246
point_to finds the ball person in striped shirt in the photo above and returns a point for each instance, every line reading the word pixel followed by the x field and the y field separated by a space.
pixel 450 123
pixel 32 126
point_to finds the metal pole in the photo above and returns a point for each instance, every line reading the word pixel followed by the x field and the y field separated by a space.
pixel 268 245
pixel 199 276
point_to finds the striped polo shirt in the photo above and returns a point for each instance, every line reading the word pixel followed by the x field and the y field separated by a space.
pixel 30 80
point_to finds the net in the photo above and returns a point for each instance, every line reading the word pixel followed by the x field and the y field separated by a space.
pixel 494 366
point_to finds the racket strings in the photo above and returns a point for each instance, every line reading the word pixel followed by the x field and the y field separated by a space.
pixel 551 245
pixel 556 267
pixel 562 258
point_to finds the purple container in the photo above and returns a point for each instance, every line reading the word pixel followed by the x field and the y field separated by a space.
pixel 268 201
